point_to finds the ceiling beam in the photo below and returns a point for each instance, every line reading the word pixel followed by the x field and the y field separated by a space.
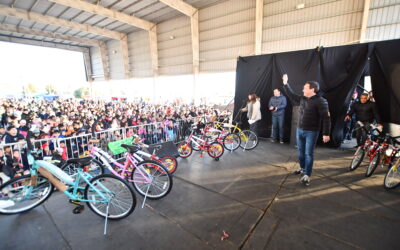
pixel 32 16
pixel 180 6
pixel 42 43
pixel 27 31
pixel 109 13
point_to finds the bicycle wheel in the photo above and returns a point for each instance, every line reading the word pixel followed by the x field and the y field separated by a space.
pixel 18 195
pixel 248 139
pixel 373 164
pixel 392 177
pixel 170 163
pixel 216 150
pixel 95 168
pixel 184 150
pixel 357 158
pixel 122 199
pixel 231 141
pixel 152 179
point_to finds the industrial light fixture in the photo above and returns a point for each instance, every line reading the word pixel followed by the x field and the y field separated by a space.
pixel 171 37
pixel 300 6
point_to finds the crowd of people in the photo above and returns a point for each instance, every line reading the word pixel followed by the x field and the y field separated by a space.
pixel 65 118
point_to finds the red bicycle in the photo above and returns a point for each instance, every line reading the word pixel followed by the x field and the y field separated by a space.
pixel 383 155
pixel 369 147
pixel 214 149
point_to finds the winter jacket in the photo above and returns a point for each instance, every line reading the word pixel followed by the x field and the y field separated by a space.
pixel 365 112
pixel 312 111
pixel 279 102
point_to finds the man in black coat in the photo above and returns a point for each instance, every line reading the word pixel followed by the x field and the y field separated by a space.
pixel 365 112
pixel 313 110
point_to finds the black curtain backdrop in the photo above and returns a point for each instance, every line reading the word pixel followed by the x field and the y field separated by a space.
pixel 337 69
pixel 385 78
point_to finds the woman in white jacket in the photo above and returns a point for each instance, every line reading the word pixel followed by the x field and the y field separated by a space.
pixel 253 109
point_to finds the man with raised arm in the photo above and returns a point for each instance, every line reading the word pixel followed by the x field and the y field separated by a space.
pixel 313 110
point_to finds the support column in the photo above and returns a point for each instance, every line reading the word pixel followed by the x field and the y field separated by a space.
pixel 104 60
pixel 154 57
pixel 125 55
pixel 194 23
pixel 259 26
pixel 364 22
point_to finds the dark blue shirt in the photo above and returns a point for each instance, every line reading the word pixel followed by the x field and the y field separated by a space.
pixel 280 103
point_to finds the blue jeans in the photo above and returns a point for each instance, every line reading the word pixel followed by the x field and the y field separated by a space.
pixel 306 141
pixel 277 126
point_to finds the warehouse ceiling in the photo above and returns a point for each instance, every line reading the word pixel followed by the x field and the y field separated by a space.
pixel 54 21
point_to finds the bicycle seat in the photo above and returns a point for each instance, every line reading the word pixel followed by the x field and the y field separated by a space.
pixel 131 148
pixel 81 161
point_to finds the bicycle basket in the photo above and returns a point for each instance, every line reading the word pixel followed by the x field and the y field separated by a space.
pixel 115 146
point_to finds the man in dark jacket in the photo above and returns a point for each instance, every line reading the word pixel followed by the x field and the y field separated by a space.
pixel 365 112
pixel 313 109
pixel 277 105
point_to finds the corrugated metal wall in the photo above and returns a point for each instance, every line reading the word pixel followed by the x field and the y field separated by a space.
pixel 174 47
pixel 320 22
pixel 139 54
pixel 97 66
pixel 383 20
pixel 226 32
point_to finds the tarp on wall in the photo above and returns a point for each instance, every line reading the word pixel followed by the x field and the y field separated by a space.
pixel 337 69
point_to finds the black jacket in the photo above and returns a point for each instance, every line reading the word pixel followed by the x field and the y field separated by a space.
pixel 365 112
pixel 312 111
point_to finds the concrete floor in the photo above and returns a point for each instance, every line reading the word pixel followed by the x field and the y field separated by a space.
pixel 252 196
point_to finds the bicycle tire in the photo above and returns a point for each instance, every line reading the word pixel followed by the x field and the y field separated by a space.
pixel 71 168
pixel 373 164
pixel 357 158
pixel 231 141
pixel 392 177
pixel 161 179
pixel 170 163
pixel 248 140
pixel 118 189
pixel 184 149
pixel 216 150
pixel 9 192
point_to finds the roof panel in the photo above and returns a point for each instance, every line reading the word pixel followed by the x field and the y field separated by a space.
pixel 41 6
pixel 70 13
pixel 83 16
pixel 199 4
pixel 25 5
pixel 105 22
pixel 12 20
pixel 137 6
pixel 94 19
pixel 57 10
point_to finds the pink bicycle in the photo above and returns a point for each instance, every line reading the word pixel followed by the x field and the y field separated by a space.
pixel 149 178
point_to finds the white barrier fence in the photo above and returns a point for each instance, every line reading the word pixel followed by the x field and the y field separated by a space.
pixel 77 146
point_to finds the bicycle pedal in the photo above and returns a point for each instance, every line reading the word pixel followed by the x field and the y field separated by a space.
pixel 75 202
pixel 79 209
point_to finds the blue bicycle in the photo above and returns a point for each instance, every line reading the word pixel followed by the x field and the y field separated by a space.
pixel 106 195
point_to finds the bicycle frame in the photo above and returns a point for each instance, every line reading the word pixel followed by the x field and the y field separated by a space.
pixel 57 177
pixel 105 158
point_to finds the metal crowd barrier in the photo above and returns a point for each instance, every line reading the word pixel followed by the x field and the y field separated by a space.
pixel 78 146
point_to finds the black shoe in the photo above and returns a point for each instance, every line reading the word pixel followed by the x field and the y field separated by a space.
pixel 273 140
pixel 281 142
pixel 299 171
